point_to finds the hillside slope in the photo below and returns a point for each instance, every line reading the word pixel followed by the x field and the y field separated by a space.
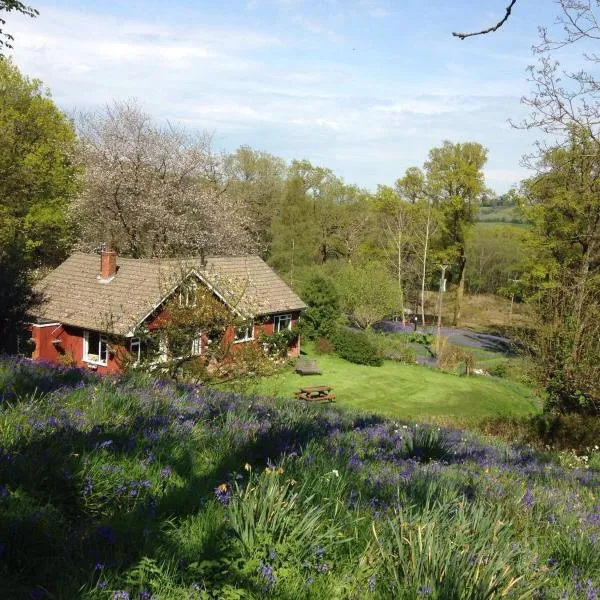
pixel 143 489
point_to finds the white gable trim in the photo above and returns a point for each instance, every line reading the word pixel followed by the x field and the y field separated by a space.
pixel 131 332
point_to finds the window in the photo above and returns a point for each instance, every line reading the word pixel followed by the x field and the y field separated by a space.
pixel 197 345
pixel 282 322
pixel 244 334
pixel 95 348
pixel 135 347
pixel 182 346
pixel 187 294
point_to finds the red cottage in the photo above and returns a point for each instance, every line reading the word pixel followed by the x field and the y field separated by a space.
pixel 91 297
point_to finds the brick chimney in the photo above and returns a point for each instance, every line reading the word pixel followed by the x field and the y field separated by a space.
pixel 108 264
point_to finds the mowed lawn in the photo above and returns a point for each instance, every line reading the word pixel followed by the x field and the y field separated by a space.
pixel 408 391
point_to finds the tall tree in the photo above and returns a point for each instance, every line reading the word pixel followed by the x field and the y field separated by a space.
pixel 455 178
pixel 563 203
pixel 38 178
pixel 295 232
pixel 256 180
pixel 153 191
pixel 368 293
pixel 394 215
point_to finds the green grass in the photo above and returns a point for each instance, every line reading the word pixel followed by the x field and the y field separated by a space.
pixel 131 489
pixel 407 391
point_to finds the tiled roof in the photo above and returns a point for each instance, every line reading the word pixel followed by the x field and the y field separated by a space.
pixel 74 295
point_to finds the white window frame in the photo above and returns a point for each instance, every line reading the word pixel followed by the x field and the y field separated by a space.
pixel 135 348
pixel 278 319
pixel 248 332
pixel 187 292
pixel 94 358
pixel 197 345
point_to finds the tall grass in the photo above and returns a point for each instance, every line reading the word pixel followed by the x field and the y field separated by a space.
pixel 140 489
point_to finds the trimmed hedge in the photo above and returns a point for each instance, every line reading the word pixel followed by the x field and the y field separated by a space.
pixel 356 347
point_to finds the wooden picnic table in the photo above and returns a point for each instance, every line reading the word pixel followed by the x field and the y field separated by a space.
pixel 316 393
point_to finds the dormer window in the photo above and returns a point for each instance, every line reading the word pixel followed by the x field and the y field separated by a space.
pixel 188 294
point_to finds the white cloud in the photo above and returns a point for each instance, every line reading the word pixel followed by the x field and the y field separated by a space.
pixel 261 88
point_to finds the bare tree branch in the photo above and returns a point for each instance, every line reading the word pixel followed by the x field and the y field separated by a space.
pixel 497 26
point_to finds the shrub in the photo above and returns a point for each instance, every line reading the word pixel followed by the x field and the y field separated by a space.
pixel 426 339
pixel 324 308
pixel 451 356
pixel 324 346
pixel 500 369
pixel 356 347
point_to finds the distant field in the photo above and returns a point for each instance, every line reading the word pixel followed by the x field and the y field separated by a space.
pixel 408 392
pixel 499 214
pixel 480 311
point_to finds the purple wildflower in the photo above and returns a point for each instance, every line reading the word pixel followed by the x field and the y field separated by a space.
pixel 166 472
pixel 223 494
pixel 268 574
pixel 372 583
pixel 121 595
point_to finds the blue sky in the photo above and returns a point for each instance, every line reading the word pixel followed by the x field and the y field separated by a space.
pixel 365 87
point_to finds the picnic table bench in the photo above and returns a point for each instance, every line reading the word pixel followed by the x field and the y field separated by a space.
pixel 318 393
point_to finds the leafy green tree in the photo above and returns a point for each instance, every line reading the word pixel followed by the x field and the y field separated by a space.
pixel 563 204
pixel 39 175
pixel 368 293
pixel 257 179
pixel 6 39
pixel 495 255
pixel 295 233
pixel 455 179
pixel 38 179
pixel 324 310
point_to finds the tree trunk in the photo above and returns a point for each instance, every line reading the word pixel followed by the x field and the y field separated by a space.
pixel 580 290
pixel 424 272
pixel 460 290
pixel 400 290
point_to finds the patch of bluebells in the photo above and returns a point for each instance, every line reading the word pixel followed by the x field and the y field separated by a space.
pixel 223 494
pixel 380 456
pixel 267 575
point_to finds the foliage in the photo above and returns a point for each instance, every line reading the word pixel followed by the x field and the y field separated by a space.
pixel 494 259
pixel 6 39
pixel 37 182
pixel 367 293
pixel 394 347
pixel 451 356
pixel 323 307
pixel 455 179
pixel 139 488
pixel 278 343
pixel 356 347
pixel 563 204
pixel 572 432
pixel 256 180
pixel 39 174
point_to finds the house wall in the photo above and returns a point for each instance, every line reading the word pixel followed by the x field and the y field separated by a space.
pixel 69 350
pixel 266 324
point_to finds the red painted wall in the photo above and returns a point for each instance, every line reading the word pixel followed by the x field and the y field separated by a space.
pixel 69 348
pixel 70 343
